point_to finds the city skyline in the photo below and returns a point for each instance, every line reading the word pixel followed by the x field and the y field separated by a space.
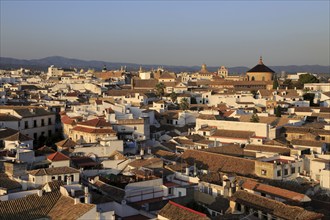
pixel 169 33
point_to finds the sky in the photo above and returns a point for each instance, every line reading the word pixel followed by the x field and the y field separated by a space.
pixel 229 33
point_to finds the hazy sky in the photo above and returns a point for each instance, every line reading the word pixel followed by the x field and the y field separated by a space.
pixel 230 33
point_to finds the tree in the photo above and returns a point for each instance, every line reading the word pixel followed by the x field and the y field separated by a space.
pixel 50 141
pixel 197 207
pixel 254 118
pixel 275 83
pixel 288 83
pixel 309 97
pixel 278 111
pixel 307 78
pixel 173 96
pixel 184 104
pixel 160 89
pixel 254 93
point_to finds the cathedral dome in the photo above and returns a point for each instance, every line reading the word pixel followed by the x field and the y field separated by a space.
pixel 260 72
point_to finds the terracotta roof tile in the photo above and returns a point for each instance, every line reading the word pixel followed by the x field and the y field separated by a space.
pixel 96 122
pixel 7 183
pixel 29 207
pixel 67 143
pixel 308 143
pixel 8 117
pixel 53 171
pixel 144 162
pixel 18 137
pixel 67 120
pixel 167 75
pixel 219 163
pixel 272 190
pixel 273 207
pixel 264 148
pixel 94 130
pixel 175 211
pixel 233 134
pixel 58 156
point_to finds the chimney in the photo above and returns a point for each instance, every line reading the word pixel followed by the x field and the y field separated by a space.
pixel 72 192
pixel 87 196
pixel 195 170
pixel 40 193
pixel 68 181
pixel 76 201
pixel 286 88
pixel 141 152
pixel 187 171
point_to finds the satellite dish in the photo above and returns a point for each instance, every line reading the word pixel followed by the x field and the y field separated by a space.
pixel 123 202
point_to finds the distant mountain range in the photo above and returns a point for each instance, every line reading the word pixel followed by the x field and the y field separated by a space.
pixel 58 61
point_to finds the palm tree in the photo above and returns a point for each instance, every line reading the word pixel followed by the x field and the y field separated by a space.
pixel 173 96
pixel 160 87
pixel 184 104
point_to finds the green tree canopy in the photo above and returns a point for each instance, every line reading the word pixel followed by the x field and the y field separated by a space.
pixel 288 83
pixel 173 96
pixel 309 97
pixel 278 111
pixel 255 118
pixel 184 104
pixel 160 89
pixel 275 83
pixel 307 78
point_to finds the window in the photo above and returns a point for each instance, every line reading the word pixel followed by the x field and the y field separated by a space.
pixel 135 128
pixel 298 169
pixel 293 169
pixel 279 173
pixel 323 138
pixel 59 178
pixel 210 191
pixel 264 172
pixel 238 207
pixel 72 179
pixel 34 123
pixel 263 194
pixel 286 172
pixel 170 191
pixel 42 122
pixel 49 121
pixel 26 124
pixel 53 177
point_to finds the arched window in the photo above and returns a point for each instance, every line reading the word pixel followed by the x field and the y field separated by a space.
pixel 252 79
pixel 263 78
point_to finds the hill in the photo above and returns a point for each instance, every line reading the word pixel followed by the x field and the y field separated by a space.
pixel 58 61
